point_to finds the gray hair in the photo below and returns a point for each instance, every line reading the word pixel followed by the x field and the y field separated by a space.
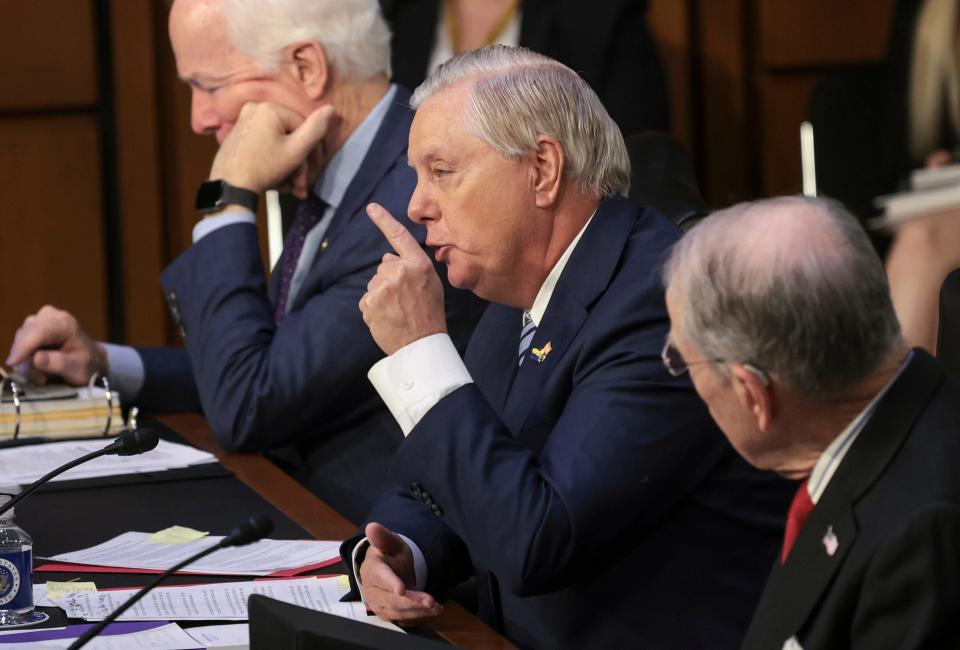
pixel 791 285
pixel 519 95
pixel 353 33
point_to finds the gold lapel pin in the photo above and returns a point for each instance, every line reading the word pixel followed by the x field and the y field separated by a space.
pixel 540 354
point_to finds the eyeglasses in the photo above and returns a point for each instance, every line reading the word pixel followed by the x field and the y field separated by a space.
pixel 674 362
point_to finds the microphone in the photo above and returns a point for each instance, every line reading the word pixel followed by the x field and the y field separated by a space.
pixel 252 530
pixel 129 443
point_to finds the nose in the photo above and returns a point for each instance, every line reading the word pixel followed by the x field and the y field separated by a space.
pixel 204 119
pixel 422 207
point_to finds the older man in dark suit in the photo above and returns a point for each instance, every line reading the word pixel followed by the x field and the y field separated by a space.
pixel 298 94
pixel 781 311
pixel 585 486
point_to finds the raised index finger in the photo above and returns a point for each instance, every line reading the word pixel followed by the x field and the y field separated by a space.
pixel 397 235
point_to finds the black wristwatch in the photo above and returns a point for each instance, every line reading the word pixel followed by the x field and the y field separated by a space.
pixel 215 195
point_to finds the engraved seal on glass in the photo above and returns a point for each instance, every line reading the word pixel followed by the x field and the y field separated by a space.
pixel 9 581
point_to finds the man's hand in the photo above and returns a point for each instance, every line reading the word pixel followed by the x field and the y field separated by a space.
pixel 272 146
pixel 386 575
pixel 404 300
pixel 51 342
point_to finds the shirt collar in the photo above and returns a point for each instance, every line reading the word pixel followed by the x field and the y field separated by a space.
pixel 345 164
pixel 546 289
pixel 834 454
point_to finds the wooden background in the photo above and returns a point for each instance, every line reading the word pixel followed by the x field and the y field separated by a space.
pixel 98 165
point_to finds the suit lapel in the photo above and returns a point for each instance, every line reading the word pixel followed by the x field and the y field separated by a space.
pixel 794 589
pixel 387 146
pixel 585 277
pixel 491 357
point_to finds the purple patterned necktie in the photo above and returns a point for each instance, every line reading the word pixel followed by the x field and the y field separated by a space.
pixel 309 213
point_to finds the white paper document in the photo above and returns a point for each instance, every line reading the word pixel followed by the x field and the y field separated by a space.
pixel 214 602
pixel 134 550
pixel 235 636
pixel 24 465
pixel 164 637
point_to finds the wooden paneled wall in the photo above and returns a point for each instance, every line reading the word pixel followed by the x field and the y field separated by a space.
pixel 52 245
pixel 741 73
pixel 101 74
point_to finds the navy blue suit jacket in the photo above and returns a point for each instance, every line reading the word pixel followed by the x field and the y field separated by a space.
pixel 302 382
pixel 590 492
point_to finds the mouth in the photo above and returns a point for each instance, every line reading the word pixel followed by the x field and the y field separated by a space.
pixel 441 252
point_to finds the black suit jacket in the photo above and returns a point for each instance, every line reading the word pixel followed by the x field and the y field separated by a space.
pixel 606 42
pixel 893 509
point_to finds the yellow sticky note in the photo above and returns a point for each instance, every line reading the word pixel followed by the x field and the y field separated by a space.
pixel 60 590
pixel 176 535
pixel 343 582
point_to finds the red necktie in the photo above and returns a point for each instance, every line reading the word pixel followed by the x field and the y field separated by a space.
pixel 800 509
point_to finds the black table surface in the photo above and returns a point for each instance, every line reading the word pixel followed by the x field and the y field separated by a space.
pixel 77 514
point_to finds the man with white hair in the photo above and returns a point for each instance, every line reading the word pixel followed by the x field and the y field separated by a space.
pixel 298 94
pixel 781 313
pixel 585 486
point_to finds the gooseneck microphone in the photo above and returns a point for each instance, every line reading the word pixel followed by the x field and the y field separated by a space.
pixel 252 530
pixel 129 443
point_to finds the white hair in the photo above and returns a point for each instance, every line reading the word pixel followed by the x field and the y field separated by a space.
pixel 519 95
pixel 791 285
pixel 353 33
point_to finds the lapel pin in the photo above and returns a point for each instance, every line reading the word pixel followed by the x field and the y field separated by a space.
pixel 540 354
pixel 830 541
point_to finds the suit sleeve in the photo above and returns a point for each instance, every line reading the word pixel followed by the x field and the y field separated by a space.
pixel 911 592
pixel 262 384
pixel 168 385
pixel 629 444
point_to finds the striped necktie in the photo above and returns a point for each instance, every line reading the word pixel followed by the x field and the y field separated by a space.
pixel 526 336
pixel 309 213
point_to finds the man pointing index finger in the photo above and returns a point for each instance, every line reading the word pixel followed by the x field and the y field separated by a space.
pixel 404 300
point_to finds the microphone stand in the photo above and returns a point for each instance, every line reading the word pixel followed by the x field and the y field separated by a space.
pixel 258 528
pixel 144 438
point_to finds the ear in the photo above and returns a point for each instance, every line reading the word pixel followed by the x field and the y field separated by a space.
pixel 547 165
pixel 308 63
pixel 754 389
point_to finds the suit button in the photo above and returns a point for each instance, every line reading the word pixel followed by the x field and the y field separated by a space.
pixel 435 509
pixel 416 489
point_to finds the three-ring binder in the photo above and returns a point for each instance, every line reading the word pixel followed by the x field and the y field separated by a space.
pixel 46 412
pixel 15 392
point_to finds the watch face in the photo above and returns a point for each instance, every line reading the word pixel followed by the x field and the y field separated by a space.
pixel 208 195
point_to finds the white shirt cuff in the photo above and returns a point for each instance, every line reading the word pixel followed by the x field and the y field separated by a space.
pixel 419 563
pixel 417 376
pixel 208 224
pixel 125 370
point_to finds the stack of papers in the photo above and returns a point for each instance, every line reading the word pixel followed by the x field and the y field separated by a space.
pixel 24 465
pixel 135 550
pixel 931 190
pixel 214 602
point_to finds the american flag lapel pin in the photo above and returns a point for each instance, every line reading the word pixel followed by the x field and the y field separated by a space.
pixel 830 541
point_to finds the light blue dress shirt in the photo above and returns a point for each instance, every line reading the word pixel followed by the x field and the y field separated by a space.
pixel 126 370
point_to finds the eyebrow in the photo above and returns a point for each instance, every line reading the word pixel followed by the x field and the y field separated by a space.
pixel 427 158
